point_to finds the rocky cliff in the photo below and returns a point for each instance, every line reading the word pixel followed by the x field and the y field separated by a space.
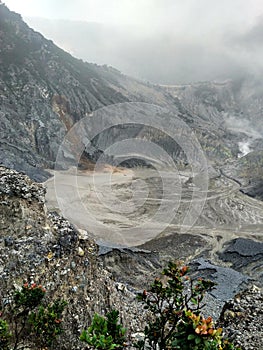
pixel 44 248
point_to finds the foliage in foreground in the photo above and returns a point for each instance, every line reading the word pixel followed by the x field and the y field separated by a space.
pixel 4 335
pixel 27 319
pixel 174 303
pixel 105 332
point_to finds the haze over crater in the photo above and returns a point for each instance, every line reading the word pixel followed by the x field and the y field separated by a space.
pixel 165 42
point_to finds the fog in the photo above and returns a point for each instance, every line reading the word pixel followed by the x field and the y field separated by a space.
pixel 162 41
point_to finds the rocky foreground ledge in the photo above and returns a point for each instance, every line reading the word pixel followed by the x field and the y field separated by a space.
pixel 42 247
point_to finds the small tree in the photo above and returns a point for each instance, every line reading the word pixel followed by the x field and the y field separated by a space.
pixel 174 304
pixel 46 322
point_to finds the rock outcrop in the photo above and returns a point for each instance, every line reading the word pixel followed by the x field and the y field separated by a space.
pixel 44 248
pixel 242 319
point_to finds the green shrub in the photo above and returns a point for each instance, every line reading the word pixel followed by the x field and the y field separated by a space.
pixel 175 321
pixel 29 296
pixel 105 333
pixel 47 322
pixel 4 335
pixel 30 319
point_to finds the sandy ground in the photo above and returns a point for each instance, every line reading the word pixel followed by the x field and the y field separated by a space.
pixel 115 205
pixel 94 201
pixel 129 207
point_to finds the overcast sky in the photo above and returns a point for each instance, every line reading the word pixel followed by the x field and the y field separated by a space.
pixel 164 41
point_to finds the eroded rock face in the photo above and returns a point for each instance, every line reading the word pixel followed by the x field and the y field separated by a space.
pixel 41 247
pixel 248 171
pixel 44 91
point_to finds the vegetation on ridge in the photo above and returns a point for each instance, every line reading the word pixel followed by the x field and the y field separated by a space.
pixel 174 304
pixel 26 318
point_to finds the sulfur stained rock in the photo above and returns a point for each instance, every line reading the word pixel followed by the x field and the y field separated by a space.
pixel 80 252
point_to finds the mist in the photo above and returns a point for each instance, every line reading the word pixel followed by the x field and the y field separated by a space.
pixel 160 57
pixel 161 41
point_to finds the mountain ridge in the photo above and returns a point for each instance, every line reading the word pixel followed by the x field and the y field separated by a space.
pixel 45 91
pixel 40 83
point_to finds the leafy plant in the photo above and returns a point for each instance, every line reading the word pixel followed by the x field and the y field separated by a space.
pixel 47 322
pixel 198 333
pixel 4 335
pixel 116 330
pixel 25 300
pixel 174 303
pixel 29 296
pixel 105 333
pixel 30 318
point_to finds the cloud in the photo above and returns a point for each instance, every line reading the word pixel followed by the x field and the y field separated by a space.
pixel 247 47
pixel 160 57
pixel 251 38
pixel 163 41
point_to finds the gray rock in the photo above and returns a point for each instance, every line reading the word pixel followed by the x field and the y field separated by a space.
pixel 245 255
pixel 228 280
pixel 41 247
pixel 228 283
pixel 242 317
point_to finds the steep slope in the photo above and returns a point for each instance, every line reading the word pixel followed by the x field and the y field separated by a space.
pixel 44 248
pixel 44 91
pixel 248 171
pixel 235 104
